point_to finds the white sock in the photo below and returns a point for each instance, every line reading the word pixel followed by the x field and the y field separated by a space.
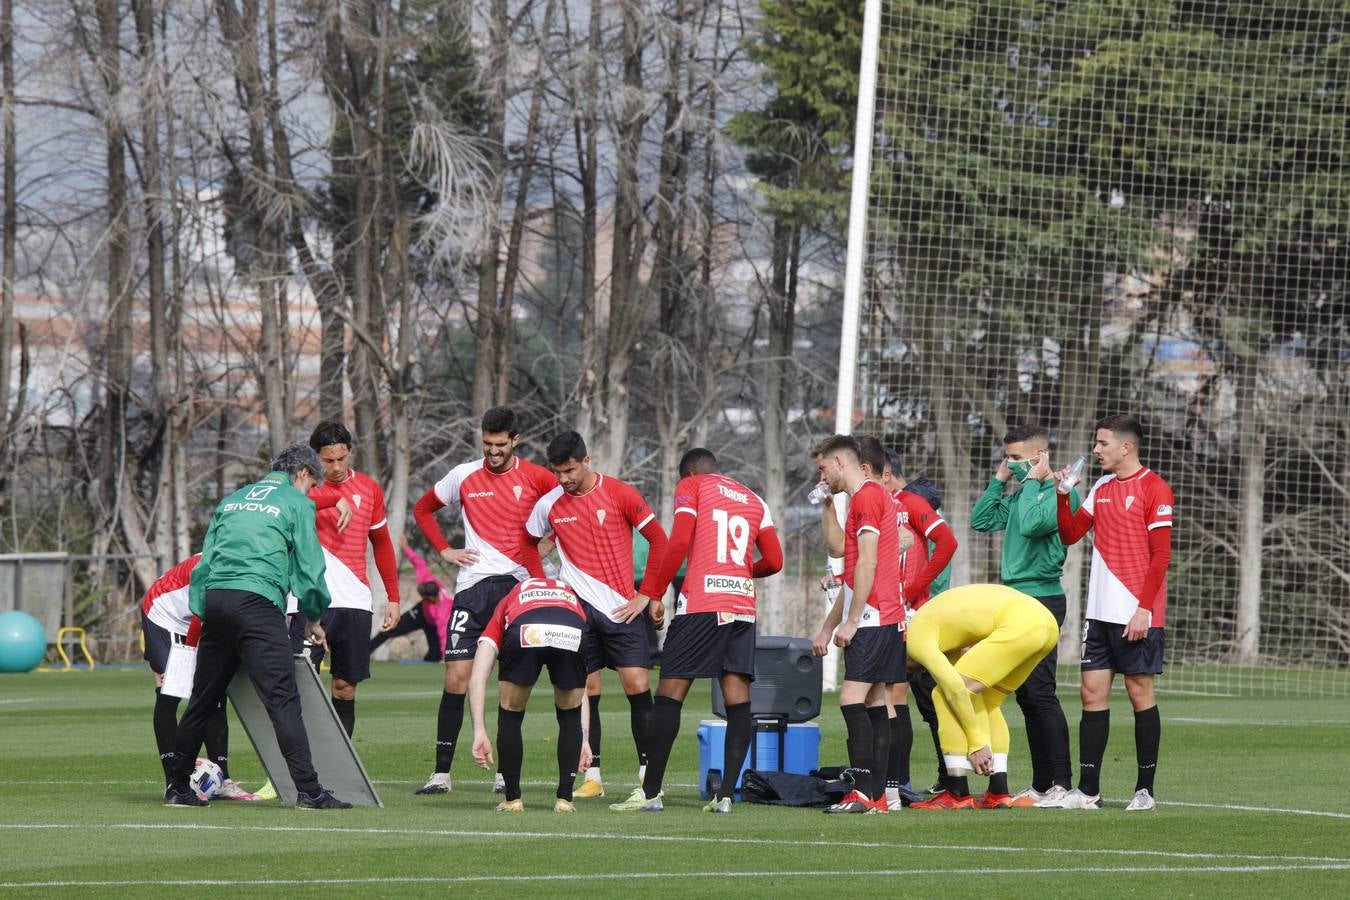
pixel 892 793
pixel 642 773
pixel 593 773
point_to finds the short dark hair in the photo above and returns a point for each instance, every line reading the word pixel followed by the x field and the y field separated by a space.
pixel 297 458
pixel 1026 433
pixel 1124 427
pixel 837 443
pixel 500 419
pixel 568 445
pixel 326 434
pixel 698 461
pixel 871 453
pixel 428 589
pixel 894 463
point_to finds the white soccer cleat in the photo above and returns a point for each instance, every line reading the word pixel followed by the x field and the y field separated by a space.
pixel 233 790
pixel 1053 798
pixel 438 783
pixel 498 784
pixel 1074 799
pixel 1029 797
pixel 1142 801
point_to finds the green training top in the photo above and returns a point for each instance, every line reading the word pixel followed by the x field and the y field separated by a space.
pixel 1033 556
pixel 262 539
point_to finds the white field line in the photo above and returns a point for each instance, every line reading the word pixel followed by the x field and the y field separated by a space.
pixel 615 876
pixel 460 785
pixel 672 839
pixel 19 700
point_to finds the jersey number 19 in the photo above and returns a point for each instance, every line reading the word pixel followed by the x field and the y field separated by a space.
pixel 733 537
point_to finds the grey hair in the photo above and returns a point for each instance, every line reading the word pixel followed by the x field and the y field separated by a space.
pixel 296 458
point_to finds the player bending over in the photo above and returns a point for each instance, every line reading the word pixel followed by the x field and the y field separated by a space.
pixel 979 642
pixel 539 623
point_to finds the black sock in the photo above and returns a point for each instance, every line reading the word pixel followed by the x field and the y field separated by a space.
pixel 1041 776
pixel 663 726
pixel 740 729
pixel 1093 730
pixel 638 706
pixel 510 750
pixel 216 736
pixel 569 748
pixel 594 737
pixel 1147 736
pixel 881 748
pixel 165 720
pixel 998 783
pixel 958 786
pixel 449 720
pixel 859 727
pixel 902 740
pixel 346 713
pixel 942 776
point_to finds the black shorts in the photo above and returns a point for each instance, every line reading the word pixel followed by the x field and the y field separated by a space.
pixel 876 656
pixel 473 609
pixel 698 645
pixel 616 645
pixel 158 641
pixel 1105 647
pixel 348 634
pixel 521 663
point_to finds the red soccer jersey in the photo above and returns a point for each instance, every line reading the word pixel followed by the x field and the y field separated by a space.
pixel 1124 511
pixel 873 509
pixel 730 517
pixel 919 519
pixel 348 583
pixel 531 594
pixel 166 603
pixel 594 537
pixel 494 507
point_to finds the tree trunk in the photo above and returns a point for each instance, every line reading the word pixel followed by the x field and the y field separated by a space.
pixel 782 304
pixel 8 225
pixel 587 139
pixel 486 341
pixel 1252 421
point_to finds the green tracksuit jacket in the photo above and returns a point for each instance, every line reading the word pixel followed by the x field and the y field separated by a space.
pixel 1033 556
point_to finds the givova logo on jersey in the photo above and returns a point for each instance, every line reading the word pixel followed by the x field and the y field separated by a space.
pixel 729 584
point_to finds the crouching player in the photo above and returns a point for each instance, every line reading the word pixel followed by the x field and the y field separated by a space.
pixel 539 623
pixel 979 642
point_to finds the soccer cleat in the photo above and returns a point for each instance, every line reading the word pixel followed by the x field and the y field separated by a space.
pixel 176 797
pixel 878 807
pixel 718 806
pixel 1142 802
pixel 936 789
pixel 1027 798
pixel 909 796
pixel 1053 798
pixel 438 783
pixel 563 806
pixel 498 784
pixel 233 790
pixel 990 800
pixel 1074 799
pixel 267 791
pixel 944 800
pixel 853 802
pixel 324 799
pixel 513 806
pixel 639 802
pixel 589 788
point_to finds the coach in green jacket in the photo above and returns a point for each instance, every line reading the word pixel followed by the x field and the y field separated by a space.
pixel 1033 563
pixel 260 546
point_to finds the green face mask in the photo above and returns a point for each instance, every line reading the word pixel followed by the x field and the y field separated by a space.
pixel 1020 468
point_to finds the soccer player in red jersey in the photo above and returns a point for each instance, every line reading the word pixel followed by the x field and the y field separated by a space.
pixel 871 638
pixel 1129 511
pixel 592 518
pixel 539 623
pixel 347 621
pixel 712 634
pixel 495 494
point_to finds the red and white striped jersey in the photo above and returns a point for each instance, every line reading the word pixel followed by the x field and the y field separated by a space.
pixel 873 509
pixel 345 551
pixel 919 518
pixel 594 536
pixel 531 594
pixel 494 507
pixel 730 517
pixel 1124 511
pixel 166 603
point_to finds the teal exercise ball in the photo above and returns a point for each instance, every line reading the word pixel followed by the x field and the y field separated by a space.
pixel 22 642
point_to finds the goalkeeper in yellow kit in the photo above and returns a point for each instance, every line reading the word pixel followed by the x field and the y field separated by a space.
pixel 979 642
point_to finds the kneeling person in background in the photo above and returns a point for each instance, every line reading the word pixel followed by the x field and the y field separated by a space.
pixel 539 623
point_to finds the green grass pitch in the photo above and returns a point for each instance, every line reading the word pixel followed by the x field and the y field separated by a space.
pixel 1252 802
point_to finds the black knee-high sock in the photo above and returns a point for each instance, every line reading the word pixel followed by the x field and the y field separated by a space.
pixel 740 730
pixel 569 748
pixel 942 776
pixel 510 750
pixel 881 748
pixel 216 736
pixel 858 724
pixel 165 720
pixel 346 713
pixel 957 785
pixel 1093 730
pixel 902 741
pixel 638 707
pixel 663 726
pixel 1147 737
pixel 998 783
pixel 449 720
pixel 1041 775
pixel 593 703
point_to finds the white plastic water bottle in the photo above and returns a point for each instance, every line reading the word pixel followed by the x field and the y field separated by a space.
pixel 819 494
pixel 832 585
pixel 1075 475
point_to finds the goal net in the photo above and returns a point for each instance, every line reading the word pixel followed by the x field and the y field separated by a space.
pixel 1078 209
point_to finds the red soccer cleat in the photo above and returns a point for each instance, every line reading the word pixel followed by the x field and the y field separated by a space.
pixel 944 800
pixel 879 806
pixel 990 800
pixel 853 802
